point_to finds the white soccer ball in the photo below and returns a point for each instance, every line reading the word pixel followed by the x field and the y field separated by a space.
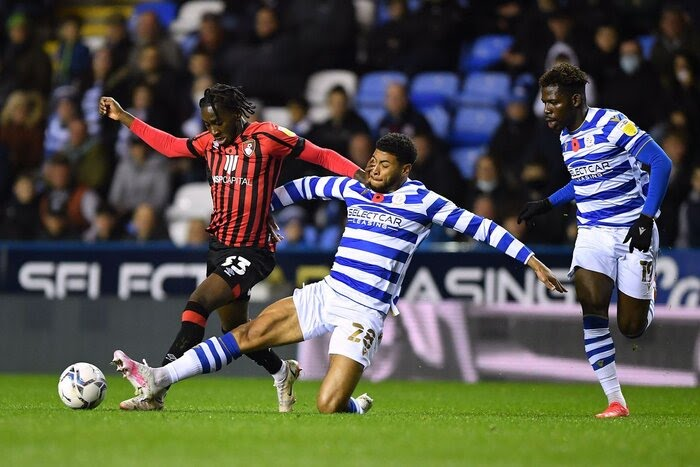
pixel 82 386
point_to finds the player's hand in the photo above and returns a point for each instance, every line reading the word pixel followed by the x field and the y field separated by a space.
pixel 544 274
pixel 110 108
pixel 274 229
pixel 639 235
pixel 534 208
pixel 361 176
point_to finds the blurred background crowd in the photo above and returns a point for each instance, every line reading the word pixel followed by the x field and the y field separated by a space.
pixel 458 76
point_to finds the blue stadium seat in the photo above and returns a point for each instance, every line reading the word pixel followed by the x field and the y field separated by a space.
pixel 473 126
pixel 372 115
pixel 646 41
pixel 465 158
pixel 485 52
pixel 439 120
pixel 434 88
pixel 372 87
pixel 485 88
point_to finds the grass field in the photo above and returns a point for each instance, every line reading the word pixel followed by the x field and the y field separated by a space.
pixel 227 421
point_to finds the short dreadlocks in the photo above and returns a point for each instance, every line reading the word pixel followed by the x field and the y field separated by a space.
pixel 227 97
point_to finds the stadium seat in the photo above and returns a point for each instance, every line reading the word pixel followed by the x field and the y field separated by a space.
pixel 485 52
pixel 372 87
pixel 646 41
pixel 473 126
pixel 372 115
pixel 432 88
pixel 465 159
pixel 191 201
pixel 190 15
pixel 278 115
pixel 319 83
pixel 439 120
pixel 485 88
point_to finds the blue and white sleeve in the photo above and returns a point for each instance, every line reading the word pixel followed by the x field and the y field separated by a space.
pixel 309 188
pixel 444 212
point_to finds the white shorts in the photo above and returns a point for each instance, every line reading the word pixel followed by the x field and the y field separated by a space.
pixel 356 330
pixel 600 249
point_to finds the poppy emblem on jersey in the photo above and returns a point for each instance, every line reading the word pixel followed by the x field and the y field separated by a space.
pixel 378 197
pixel 575 145
pixel 249 147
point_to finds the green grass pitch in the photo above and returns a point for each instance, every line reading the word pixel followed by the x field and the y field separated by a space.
pixel 234 421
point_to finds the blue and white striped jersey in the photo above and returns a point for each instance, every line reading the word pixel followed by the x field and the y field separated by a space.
pixel 384 230
pixel 609 184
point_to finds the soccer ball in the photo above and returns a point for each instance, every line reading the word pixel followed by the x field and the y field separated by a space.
pixel 82 386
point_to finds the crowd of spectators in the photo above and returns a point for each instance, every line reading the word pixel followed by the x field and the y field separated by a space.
pixel 66 173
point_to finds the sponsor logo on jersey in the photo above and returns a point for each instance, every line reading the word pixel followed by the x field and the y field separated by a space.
pixel 231 180
pixel 588 171
pixel 385 220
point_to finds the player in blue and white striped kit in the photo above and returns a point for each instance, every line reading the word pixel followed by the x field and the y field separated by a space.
pixel 386 221
pixel 617 202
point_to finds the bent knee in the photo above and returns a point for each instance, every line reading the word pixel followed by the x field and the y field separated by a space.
pixel 328 404
pixel 633 330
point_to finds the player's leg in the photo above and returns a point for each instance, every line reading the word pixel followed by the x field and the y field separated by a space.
pixel 231 274
pixel 212 293
pixel 636 285
pixel 594 291
pixel 356 335
pixel 284 372
pixel 338 385
pixel 634 315
pixel 276 325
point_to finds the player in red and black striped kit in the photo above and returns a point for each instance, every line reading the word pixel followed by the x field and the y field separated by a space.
pixel 243 163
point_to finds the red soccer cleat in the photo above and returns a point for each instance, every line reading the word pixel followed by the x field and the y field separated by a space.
pixel 614 410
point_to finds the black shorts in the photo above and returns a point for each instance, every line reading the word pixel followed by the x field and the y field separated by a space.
pixel 241 267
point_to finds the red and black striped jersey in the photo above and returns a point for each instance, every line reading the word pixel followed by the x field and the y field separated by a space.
pixel 242 177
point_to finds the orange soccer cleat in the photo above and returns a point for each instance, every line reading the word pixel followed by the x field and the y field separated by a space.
pixel 614 410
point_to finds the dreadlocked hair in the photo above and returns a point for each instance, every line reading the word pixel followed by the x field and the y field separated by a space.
pixel 227 97
pixel 567 76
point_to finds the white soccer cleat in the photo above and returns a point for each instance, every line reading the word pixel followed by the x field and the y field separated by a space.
pixel 365 402
pixel 141 403
pixel 285 391
pixel 140 375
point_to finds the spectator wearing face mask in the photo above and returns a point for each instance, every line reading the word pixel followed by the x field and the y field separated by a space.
pixel 488 180
pixel 634 78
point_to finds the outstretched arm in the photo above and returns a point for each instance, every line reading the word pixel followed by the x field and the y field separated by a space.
pixel 531 209
pixel 331 160
pixel 444 212
pixel 309 188
pixel 163 142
